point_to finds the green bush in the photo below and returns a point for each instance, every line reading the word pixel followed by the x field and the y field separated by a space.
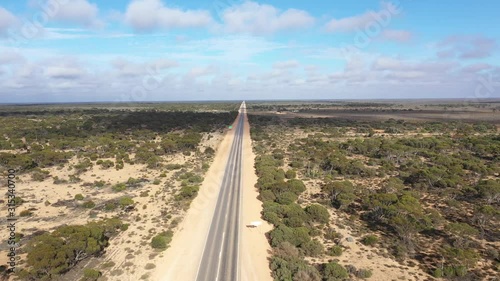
pixel 173 166
pixel 286 198
pixel 209 151
pixel 449 271
pixel 119 187
pixel 187 192
pixel 296 186
pixel 364 273
pixel 205 166
pixel 334 271
pixel 267 195
pixel 332 235
pixel 162 240
pixel 79 196
pixel 88 204
pixel 335 251
pixel 313 248
pixel 369 240
pixel 57 180
pixel 271 217
pixel 40 175
pixel 318 213
pixel 106 164
pixel 126 201
pixel 26 213
pixel 18 201
pixel 70 244
pixel 438 273
pixel 110 206
pixel 290 174
pixel 133 182
pixel 99 184
pixel 150 266
pixel 91 274
pixel 295 236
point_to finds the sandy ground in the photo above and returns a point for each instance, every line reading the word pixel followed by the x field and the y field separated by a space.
pixel 255 248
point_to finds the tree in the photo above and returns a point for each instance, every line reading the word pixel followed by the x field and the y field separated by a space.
pixel 286 198
pixel 295 236
pixel 460 257
pixel 313 248
pixel 462 233
pixel 296 186
pixel 318 213
pixel 489 190
pixel 162 240
pixel 90 274
pixel 209 151
pixel 290 174
pixel 333 271
pixel 341 193
pixel 126 201
pixel 187 192
pixel 88 204
pixel 393 185
pixel 483 215
pixel 335 251
pixel 52 254
pixel 119 187
pixel 369 240
pixel 307 274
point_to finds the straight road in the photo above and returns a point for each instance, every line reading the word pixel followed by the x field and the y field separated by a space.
pixel 220 260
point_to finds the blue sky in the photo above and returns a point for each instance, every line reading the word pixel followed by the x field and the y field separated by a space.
pixel 154 50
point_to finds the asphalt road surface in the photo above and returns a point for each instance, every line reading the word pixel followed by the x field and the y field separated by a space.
pixel 220 260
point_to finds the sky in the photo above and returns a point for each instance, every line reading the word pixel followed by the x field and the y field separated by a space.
pixel 159 50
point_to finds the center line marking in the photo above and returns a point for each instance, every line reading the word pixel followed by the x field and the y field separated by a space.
pixel 220 256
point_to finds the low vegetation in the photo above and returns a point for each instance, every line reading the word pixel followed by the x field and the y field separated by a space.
pixel 427 193
pixel 88 163
pixel 52 254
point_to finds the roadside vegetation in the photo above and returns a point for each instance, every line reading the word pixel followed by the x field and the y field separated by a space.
pixel 115 182
pixel 424 194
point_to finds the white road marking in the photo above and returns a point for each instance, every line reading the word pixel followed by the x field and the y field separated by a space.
pixel 220 256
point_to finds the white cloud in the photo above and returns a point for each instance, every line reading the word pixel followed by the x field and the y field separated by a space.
pixel 200 71
pixel 396 64
pixel 227 49
pixel 10 57
pixel 80 12
pixel 389 63
pixel 382 18
pixel 68 68
pixel 397 35
pixel 126 68
pixel 64 72
pixel 146 15
pixel 286 64
pixel 7 20
pixel 254 18
pixel 355 64
pixel 399 70
pixel 467 47
pixel 477 67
